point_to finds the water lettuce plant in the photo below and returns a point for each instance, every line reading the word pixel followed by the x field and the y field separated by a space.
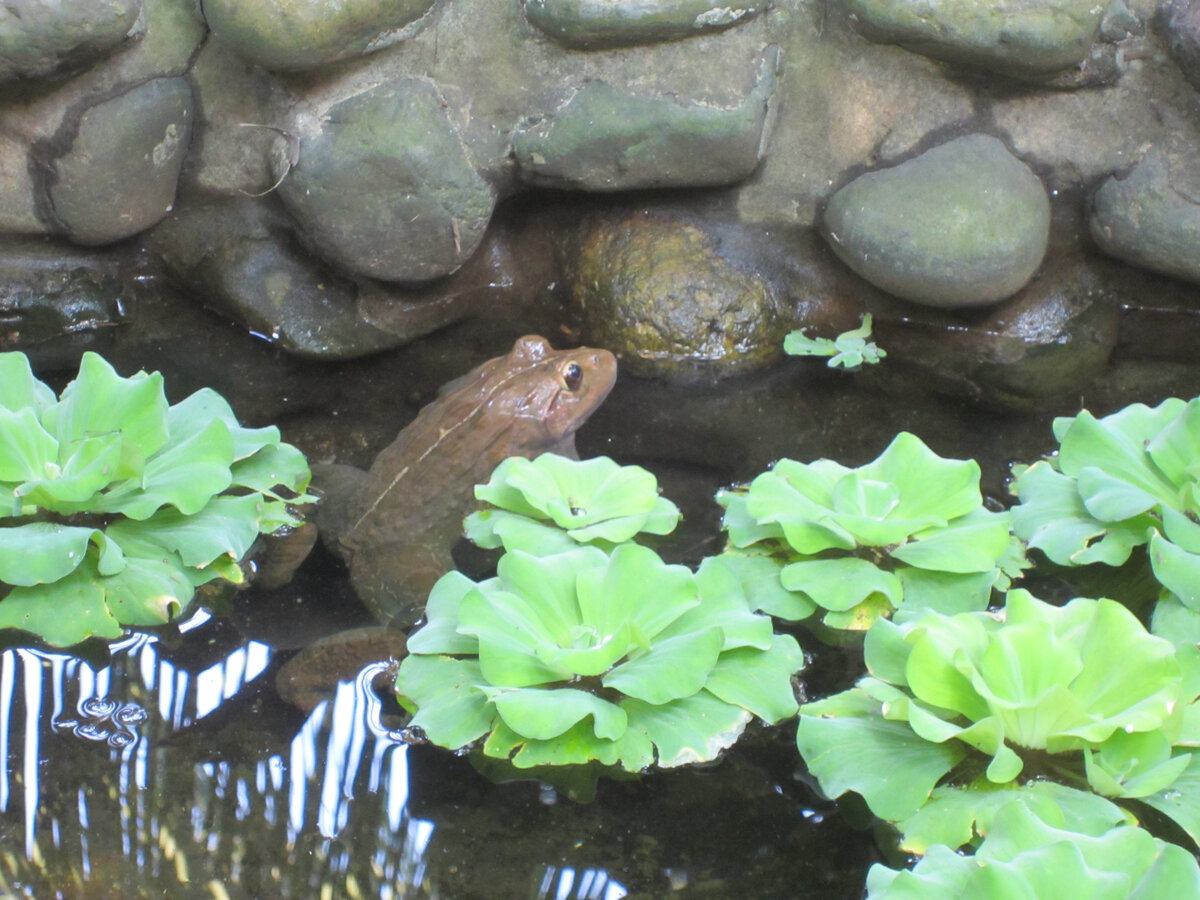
pixel 589 655
pixel 1030 855
pixel 115 505
pixel 1116 483
pixel 553 503
pixel 848 350
pixel 907 529
pixel 1081 692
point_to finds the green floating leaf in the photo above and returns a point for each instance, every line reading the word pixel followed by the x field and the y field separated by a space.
pixel 848 350
pixel 1181 800
pixel 759 578
pixel 26 448
pixel 694 729
pixel 63 613
pixel 41 552
pixel 759 682
pixel 849 746
pixel 451 709
pixel 99 402
pixel 18 388
pixel 543 714
pixel 957 816
pixel 839 584
pixel 226 526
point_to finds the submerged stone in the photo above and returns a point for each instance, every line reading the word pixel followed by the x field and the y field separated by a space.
pixel 605 139
pixel 387 189
pixel 38 38
pixel 1024 38
pixel 299 34
pixel 591 24
pixel 1151 216
pixel 119 175
pixel 963 224
pixel 669 298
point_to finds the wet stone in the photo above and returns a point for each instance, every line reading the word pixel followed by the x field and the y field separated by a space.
pixel 670 299
pixel 605 139
pixel 39 38
pixel 1021 38
pixel 299 34
pixel 1151 216
pixel 1181 25
pixel 964 224
pixel 118 176
pixel 1047 343
pixel 592 24
pixel 239 256
pixel 386 188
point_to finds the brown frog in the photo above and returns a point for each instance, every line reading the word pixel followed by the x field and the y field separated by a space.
pixel 395 524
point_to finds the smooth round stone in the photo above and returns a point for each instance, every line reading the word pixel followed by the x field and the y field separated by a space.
pixel 1023 38
pixel 38 38
pixel 1151 217
pixel 386 189
pixel 592 24
pixel 964 224
pixel 299 34
pixel 120 173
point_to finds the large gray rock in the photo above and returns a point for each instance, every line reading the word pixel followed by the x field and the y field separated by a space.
pixel 387 189
pixel 605 139
pixel 300 34
pixel 963 224
pixel 118 175
pixel 1181 24
pixel 38 38
pixel 1151 216
pixel 590 24
pixel 1015 37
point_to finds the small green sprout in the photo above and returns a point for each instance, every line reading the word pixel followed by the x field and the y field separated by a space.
pixel 849 350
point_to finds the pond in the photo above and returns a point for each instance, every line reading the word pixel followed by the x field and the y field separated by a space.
pixel 168 765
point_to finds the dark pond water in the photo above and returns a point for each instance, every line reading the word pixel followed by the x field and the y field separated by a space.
pixel 167 765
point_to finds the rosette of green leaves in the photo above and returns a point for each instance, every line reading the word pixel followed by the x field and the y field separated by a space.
pixel 1085 680
pixel 1116 483
pixel 115 505
pixel 907 529
pixel 1030 855
pixel 553 503
pixel 585 655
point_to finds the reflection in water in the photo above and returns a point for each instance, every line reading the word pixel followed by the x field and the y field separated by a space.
pixel 134 814
pixel 171 770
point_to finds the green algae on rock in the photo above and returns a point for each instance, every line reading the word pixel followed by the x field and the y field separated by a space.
pixel 605 139
pixel 299 34
pixel 592 24
pixel 963 224
pixel 1022 38
pixel 663 296
pixel 387 189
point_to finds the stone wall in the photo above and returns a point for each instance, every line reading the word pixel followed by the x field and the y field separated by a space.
pixel 998 182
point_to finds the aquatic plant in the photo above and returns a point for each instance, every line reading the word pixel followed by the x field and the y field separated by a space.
pixel 589 655
pixel 553 503
pixel 906 530
pixel 115 506
pixel 849 350
pixel 1116 483
pixel 1030 855
pixel 1082 691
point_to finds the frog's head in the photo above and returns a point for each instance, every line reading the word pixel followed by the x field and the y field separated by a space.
pixel 559 388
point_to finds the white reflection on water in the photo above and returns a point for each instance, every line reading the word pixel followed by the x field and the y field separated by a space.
pixel 129 809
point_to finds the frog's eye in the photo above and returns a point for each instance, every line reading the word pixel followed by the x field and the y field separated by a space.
pixel 573 377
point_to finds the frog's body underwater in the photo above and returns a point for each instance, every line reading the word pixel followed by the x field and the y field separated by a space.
pixel 395 524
